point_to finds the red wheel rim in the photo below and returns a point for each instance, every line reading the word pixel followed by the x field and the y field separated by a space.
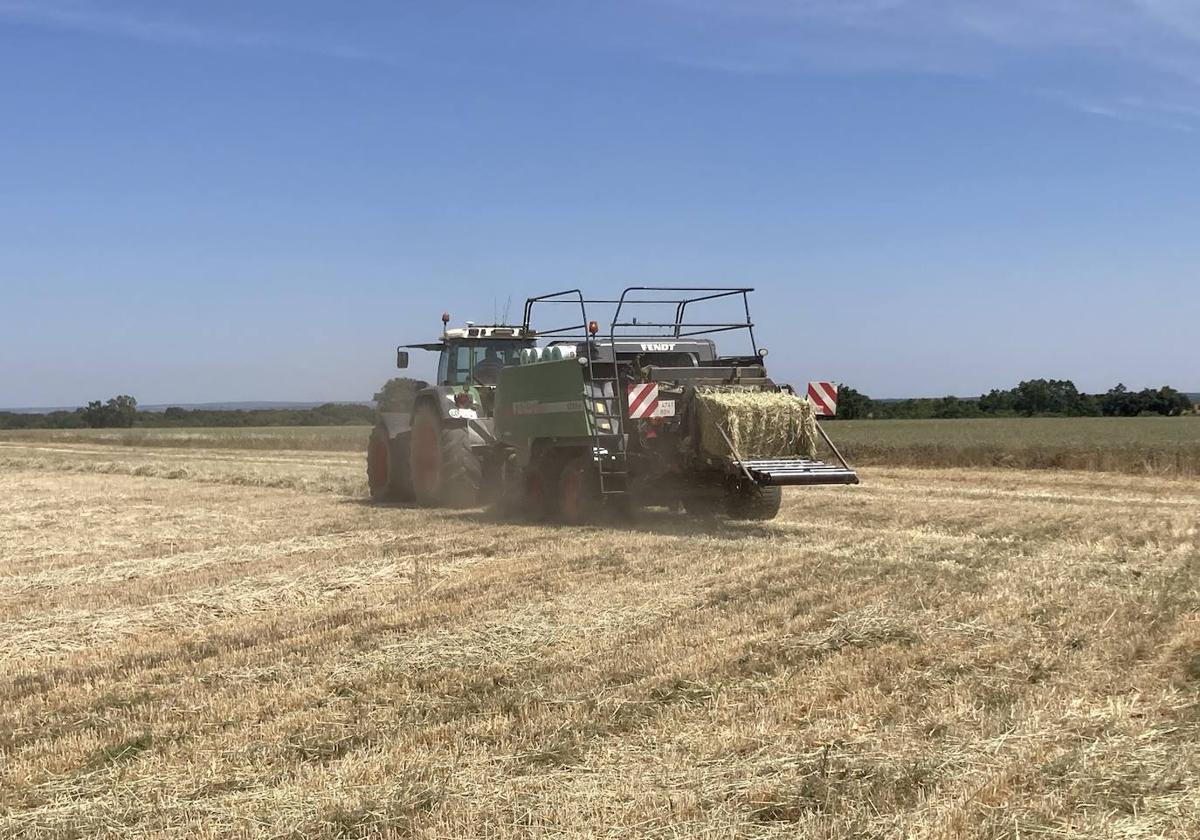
pixel 426 458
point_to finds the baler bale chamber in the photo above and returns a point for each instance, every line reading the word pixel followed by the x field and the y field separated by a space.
pixel 651 414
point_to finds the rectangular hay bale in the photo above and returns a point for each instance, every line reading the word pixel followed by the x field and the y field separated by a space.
pixel 761 424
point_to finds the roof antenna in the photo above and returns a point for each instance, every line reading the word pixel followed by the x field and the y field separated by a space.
pixel 507 306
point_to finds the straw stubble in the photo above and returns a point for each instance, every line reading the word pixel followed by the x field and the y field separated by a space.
pixel 250 650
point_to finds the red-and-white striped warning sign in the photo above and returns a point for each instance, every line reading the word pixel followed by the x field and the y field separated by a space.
pixel 643 400
pixel 823 396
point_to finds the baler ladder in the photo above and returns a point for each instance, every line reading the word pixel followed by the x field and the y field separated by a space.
pixel 612 467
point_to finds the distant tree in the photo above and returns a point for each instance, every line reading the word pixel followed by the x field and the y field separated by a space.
pixel 118 412
pixel 1166 401
pixel 1033 396
pixel 1120 402
pixel 997 401
pixel 398 394
pixel 1084 405
pixel 1183 402
pixel 1048 396
pixel 852 405
pixel 94 415
pixel 122 411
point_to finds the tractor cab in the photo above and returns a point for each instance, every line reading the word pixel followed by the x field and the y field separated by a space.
pixel 471 356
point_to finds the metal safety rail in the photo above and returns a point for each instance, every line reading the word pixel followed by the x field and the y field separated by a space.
pixel 679 297
pixel 785 472
pixel 697 294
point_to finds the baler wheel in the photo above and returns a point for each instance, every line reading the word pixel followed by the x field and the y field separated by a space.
pixel 758 505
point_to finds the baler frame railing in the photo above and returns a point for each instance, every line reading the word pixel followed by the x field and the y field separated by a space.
pixel 679 327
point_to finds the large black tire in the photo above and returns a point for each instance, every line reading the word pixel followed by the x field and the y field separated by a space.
pixel 758 505
pixel 445 472
pixel 387 467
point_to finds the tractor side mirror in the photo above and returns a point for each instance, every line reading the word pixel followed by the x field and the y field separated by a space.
pixel 401 358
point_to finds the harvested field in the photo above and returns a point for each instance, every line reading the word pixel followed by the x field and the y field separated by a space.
pixel 220 643
pixel 1166 446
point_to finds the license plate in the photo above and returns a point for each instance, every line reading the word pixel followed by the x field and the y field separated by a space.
pixel 666 408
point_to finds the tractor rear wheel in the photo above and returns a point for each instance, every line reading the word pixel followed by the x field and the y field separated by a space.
pixel 445 472
pixel 387 467
pixel 379 465
pixel 760 504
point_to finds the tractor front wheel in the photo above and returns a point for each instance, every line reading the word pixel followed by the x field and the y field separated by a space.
pixel 445 472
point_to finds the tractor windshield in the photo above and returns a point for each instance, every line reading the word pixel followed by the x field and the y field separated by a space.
pixel 477 362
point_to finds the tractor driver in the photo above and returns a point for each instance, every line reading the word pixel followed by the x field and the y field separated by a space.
pixel 487 370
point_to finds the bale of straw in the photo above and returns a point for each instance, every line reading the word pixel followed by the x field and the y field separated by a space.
pixel 761 424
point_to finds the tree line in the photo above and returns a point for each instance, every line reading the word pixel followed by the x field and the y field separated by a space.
pixel 122 412
pixel 1031 398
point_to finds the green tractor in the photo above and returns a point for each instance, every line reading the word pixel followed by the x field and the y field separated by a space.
pixel 587 422
pixel 431 455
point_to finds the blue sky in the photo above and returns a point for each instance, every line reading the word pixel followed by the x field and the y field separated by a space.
pixel 258 200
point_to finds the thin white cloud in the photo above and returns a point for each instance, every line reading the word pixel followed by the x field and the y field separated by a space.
pixel 1131 110
pixel 1143 51
pixel 970 24
pixel 163 31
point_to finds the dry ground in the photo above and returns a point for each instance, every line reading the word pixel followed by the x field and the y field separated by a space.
pixel 231 644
